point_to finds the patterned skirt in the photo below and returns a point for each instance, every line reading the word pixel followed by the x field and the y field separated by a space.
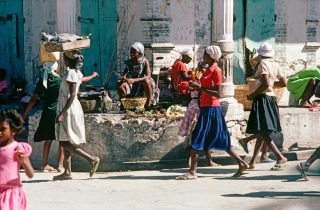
pixel 211 132
pixel 190 117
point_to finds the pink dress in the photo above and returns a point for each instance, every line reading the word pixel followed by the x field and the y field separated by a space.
pixel 12 196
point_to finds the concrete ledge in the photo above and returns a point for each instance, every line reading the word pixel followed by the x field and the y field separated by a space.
pixel 140 143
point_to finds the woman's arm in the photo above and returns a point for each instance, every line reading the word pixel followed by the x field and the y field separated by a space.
pixel 72 90
pixel 31 103
pixel 88 78
pixel 213 91
pixel 263 86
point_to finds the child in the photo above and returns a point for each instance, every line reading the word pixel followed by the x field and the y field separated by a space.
pixel 70 128
pixel 12 155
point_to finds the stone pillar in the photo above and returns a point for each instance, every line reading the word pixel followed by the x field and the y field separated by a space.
pixel 223 36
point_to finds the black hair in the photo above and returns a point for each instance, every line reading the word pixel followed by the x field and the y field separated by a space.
pixel 76 61
pixel 13 118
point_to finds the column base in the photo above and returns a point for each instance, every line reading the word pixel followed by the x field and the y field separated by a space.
pixel 232 110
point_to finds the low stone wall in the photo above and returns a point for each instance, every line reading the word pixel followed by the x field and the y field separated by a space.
pixel 124 142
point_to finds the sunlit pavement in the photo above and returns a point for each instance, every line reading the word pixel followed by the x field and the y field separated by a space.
pixel 215 189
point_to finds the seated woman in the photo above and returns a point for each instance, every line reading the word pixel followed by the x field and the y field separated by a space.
pixel 180 76
pixel 136 79
pixel 302 85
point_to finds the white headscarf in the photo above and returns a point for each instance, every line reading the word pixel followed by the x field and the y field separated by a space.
pixel 214 52
pixel 49 67
pixel 138 46
pixel 187 52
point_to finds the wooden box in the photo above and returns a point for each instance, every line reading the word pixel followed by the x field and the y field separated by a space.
pixel 60 47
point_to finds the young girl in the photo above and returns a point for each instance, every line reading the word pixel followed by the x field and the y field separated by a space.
pixel 12 155
pixel 211 132
pixel 70 128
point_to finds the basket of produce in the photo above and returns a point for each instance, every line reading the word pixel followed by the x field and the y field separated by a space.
pixel 134 103
pixel 91 103
pixel 241 92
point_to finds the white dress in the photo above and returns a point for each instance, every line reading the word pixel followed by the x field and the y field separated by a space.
pixel 72 127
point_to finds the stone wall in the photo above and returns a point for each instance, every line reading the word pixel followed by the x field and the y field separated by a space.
pixel 124 142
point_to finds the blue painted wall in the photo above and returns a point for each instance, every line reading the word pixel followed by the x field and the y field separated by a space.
pixel 11 38
pixel 99 17
pixel 254 23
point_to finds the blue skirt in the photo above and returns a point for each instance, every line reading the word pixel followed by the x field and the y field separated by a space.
pixel 211 132
pixel 264 115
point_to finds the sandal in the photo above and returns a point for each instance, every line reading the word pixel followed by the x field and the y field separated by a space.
pixel 94 166
pixel 244 146
pixel 62 177
pixel 305 104
pixel 269 160
pixel 239 173
pixel 47 169
pixel 278 167
pixel 186 176
pixel 300 167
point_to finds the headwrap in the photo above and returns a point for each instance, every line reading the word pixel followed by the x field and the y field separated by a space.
pixel 187 52
pixel 214 52
pixel 138 46
pixel 49 67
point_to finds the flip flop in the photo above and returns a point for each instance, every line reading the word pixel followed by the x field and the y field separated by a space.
pixel 278 167
pixel 186 176
pixel 301 170
pixel 239 173
pixel 269 160
pixel 48 169
pixel 62 177
pixel 244 146
pixel 95 166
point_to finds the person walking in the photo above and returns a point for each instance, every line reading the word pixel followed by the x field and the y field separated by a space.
pixel 48 86
pixel 211 132
pixel 70 128
pixel 264 114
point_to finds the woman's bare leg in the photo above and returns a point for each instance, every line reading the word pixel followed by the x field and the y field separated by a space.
pixel 256 151
pixel 45 156
pixel 243 166
pixel 61 157
pixel 148 91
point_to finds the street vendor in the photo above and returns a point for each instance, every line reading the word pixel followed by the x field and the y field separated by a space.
pixel 136 79
pixel 180 76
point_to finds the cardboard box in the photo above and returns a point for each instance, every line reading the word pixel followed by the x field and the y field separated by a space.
pixel 60 47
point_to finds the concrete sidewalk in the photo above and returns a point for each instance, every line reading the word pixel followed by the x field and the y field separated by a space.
pixel 214 189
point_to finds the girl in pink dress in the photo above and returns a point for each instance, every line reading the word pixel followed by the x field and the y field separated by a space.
pixel 12 155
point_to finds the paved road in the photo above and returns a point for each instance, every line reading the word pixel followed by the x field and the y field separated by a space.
pixel 214 189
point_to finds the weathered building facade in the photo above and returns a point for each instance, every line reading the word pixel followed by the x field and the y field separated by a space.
pixel 290 25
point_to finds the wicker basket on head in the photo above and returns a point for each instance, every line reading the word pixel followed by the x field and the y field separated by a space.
pixel 133 103
pixel 241 92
